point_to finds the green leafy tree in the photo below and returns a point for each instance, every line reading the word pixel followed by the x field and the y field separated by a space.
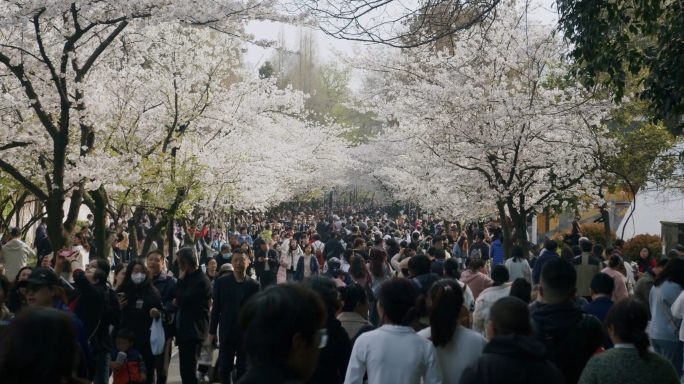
pixel 617 38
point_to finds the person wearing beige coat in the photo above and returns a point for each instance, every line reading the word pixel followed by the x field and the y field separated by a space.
pixel 15 254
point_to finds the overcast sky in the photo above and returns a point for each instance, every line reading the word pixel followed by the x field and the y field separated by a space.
pixel 256 56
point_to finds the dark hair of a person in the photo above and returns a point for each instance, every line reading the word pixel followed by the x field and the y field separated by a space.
pixel 615 261
pixel 586 246
pixel 662 262
pixel 352 295
pixel 437 269
pixel 673 271
pixel 117 269
pixel 672 254
pixel 575 228
pixel 439 254
pixel 576 250
pixel 357 268
pixel 186 256
pixel 567 254
pixel 268 333
pixel 358 242
pixel 161 254
pixel 5 285
pixel 419 265
pixel 391 243
pixel 325 287
pixel 22 269
pixel 100 276
pixel 500 275
pixel 510 315
pixel 451 269
pixel 397 298
pixel 347 255
pixel 627 319
pixel 84 241
pixel 522 289
pixel 39 346
pixel 378 258
pixel 598 249
pixel 103 265
pixel 476 264
pixel 602 284
pixel 517 254
pixel 128 287
pixel 558 278
pixel 446 297
pixel 125 334
pixel 551 245
pixel 403 244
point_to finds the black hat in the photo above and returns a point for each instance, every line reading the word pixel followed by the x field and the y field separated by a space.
pixel 40 276
pixel 15 231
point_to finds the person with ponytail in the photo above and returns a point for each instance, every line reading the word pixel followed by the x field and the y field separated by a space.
pixel 613 270
pixel 394 353
pixel 630 362
pixel 456 346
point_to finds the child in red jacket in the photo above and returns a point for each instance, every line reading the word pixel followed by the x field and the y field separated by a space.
pixel 130 369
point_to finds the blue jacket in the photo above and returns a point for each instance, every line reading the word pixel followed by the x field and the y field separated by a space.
pixel 539 264
pixel 497 252
pixel 299 272
pixel 600 308
pixel 660 325
pixel 86 362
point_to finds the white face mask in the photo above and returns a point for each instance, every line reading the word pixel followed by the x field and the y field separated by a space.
pixel 137 278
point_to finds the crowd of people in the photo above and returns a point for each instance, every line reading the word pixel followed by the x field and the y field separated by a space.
pixel 341 297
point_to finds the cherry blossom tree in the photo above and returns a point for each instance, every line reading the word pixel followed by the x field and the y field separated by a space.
pixel 496 116
pixel 49 51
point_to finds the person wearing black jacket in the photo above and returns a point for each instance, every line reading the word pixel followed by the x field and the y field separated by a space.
pixel 230 294
pixel 97 307
pixel 166 285
pixel 333 247
pixel 265 264
pixel 334 357
pixel 140 303
pixel 570 335
pixel 512 355
pixel 193 292
pixel 42 242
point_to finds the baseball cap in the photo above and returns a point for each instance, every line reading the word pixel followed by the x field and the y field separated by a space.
pixel 40 276
pixel 15 231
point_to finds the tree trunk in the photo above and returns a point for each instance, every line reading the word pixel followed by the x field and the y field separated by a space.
pixel 100 232
pixel 519 221
pixel 507 240
pixel 605 216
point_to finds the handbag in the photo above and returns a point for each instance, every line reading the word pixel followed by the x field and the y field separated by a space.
pixel 669 318
pixel 157 337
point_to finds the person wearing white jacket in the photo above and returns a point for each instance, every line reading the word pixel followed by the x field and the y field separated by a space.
pixel 489 296
pixel 518 266
pixel 456 346
pixel 15 254
pixel 394 353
